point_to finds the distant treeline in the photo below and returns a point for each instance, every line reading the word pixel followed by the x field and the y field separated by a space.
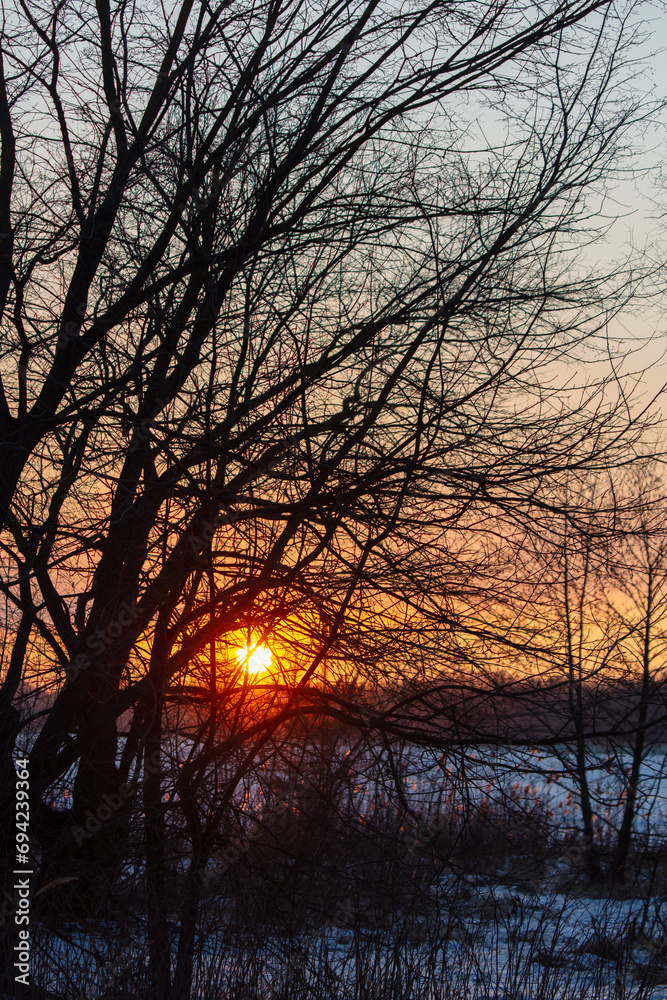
pixel 526 711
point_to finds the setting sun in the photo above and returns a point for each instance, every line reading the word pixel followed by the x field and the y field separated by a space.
pixel 254 658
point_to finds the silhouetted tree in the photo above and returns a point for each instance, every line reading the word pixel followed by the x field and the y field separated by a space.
pixel 276 323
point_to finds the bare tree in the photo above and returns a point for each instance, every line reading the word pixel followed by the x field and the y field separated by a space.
pixel 274 330
pixel 600 607
pixel 638 602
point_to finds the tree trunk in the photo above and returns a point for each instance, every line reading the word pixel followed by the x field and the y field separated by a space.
pixel 619 863
pixel 159 945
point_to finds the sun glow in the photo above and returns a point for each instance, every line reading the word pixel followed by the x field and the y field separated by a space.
pixel 254 659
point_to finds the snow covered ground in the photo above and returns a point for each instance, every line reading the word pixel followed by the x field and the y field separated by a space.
pixel 480 940
pixel 544 936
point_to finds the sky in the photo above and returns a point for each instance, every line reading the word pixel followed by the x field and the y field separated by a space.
pixel 640 204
